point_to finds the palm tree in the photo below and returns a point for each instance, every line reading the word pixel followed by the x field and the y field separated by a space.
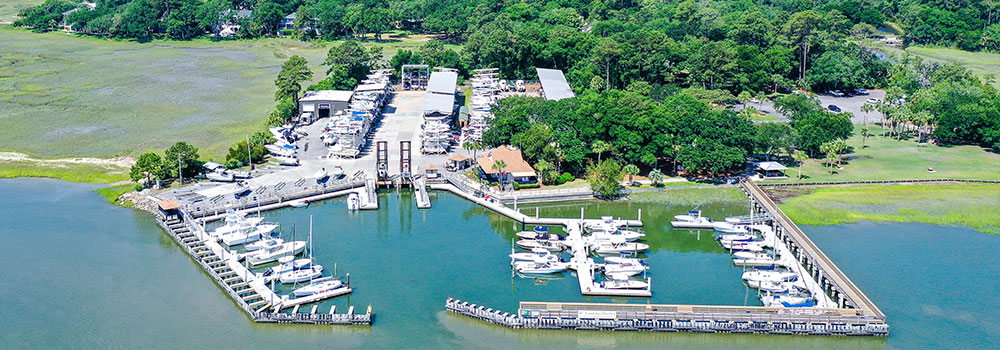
pixel 744 97
pixel 922 118
pixel 760 96
pixel 630 170
pixel 499 166
pixel 830 158
pixel 864 135
pixel 800 157
pixel 867 107
pixel 655 176
pixel 600 147
pixel 544 169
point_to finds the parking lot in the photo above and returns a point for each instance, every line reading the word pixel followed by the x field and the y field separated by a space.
pixel 847 104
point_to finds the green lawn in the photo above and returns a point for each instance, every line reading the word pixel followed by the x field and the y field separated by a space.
pixel 980 63
pixel 969 205
pixel 90 173
pixel 69 95
pixel 888 159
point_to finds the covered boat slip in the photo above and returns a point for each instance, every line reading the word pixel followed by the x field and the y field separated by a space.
pixel 438 104
pixel 442 83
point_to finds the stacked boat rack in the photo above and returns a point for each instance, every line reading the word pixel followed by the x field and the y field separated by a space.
pixel 486 88
pixel 346 134
pixel 247 259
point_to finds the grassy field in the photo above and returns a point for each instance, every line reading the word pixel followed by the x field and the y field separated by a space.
pixel 691 196
pixel 969 205
pixel 981 63
pixel 90 173
pixel 68 95
pixel 888 159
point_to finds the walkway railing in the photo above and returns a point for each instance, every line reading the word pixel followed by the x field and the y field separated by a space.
pixel 281 192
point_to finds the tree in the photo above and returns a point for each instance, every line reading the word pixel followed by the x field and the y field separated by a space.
pixel 182 155
pixel 149 166
pixel 801 29
pixel 744 97
pixel 546 171
pixel 800 157
pixel 354 58
pixel 604 178
pixel 655 176
pixel 834 147
pixel 599 147
pixel 772 137
pixel 630 170
pixel 293 72
pixel 500 166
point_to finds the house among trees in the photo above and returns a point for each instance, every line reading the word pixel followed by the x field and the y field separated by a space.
pixel 288 23
pixel 514 167
pixel 66 25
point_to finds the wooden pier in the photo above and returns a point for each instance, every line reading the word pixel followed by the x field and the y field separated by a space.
pixel 677 318
pixel 833 281
pixel 244 287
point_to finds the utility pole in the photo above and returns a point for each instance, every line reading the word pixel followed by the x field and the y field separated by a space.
pixel 249 159
pixel 180 170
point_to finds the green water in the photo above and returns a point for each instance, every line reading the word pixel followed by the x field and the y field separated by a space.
pixel 85 274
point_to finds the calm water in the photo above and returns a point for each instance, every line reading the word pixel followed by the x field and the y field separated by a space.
pixel 86 274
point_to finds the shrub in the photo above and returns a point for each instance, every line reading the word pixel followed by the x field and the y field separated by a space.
pixel 138 187
pixel 566 177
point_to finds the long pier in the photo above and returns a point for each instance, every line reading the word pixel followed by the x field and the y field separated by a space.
pixel 832 280
pixel 676 318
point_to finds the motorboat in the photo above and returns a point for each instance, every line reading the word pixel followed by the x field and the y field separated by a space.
pixel 280 151
pixel 607 223
pixel 321 174
pixel 624 258
pixel 263 244
pixel 614 247
pixel 236 221
pixel 755 277
pixel 753 246
pixel 539 236
pixel 287 264
pixel 264 256
pixel 220 176
pixel 319 285
pixel 726 227
pixel 760 260
pixel 536 255
pixel 781 287
pixel 299 203
pixel 623 282
pixel 290 161
pixel 786 300
pixel 628 269
pixel 693 219
pixel 627 235
pixel 312 272
pixel 353 201
pixel 743 254
pixel 251 235
pixel 531 268
pixel 554 246
pixel 730 237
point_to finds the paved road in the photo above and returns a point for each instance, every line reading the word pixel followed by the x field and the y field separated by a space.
pixel 847 104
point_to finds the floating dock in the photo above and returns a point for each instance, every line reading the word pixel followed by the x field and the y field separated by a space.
pixel 420 193
pixel 677 318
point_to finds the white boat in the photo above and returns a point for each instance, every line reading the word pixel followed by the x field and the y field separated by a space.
pixel 781 287
pixel 693 219
pixel 317 286
pixel 554 246
pixel 628 269
pixel 726 227
pixel 531 268
pixel 623 282
pixel 754 278
pixel 264 256
pixel 753 246
pixel 625 258
pixel 743 254
pixel 274 271
pixel 296 276
pixel 627 235
pixel 299 203
pixel 251 235
pixel 290 161
pixel 263 244
pixel 236 221
pixel 220 176
pixel 539 236
pixel 785 300
pixel 353 201
pixel 536 255
pixel 321 174
pixel 607 223
pixel 731 237
pixel 616 245
pixel 280 151
pixel 760 261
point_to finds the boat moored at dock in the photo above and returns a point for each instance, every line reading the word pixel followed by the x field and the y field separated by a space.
pixel 693 219
pixel 264 256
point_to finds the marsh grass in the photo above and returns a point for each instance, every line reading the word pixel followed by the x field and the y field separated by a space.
pixel 969 205
pixel 692 196
pixel 89 173
pixel 112 193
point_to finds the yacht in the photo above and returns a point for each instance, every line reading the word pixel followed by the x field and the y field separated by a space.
pixel 786 300
pixel 250 235
pixel 755 277
pixel 617 246
pixel 731 237
pixel 319 285
pixel 753 246
pixel 607 223
pixel 693 219
pixel 531 268
pixel 624 258
pixel 623 282
pixel 537 255
pixel 264 256
pixel 263 244
pixel 627 235
pixel 236 221
pixel 781 287
pixel 554 246
pixel 758 260
pixel 300 275
pixel 539 236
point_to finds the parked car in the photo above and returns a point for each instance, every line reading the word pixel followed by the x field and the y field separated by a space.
pixel 836 93
pixel 834 108
pixel 872 100
pixel 861 92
